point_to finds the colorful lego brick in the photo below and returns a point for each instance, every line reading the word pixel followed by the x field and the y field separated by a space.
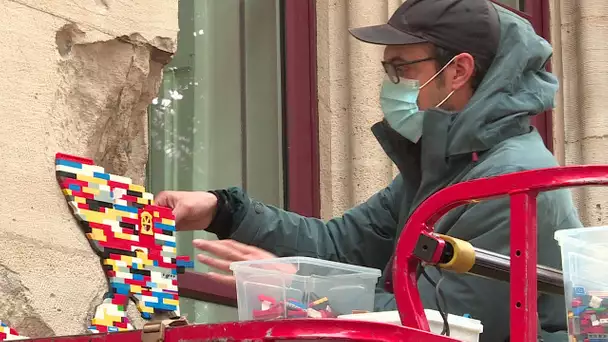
pixel 134 238
pixel 588 315
pixel 9 334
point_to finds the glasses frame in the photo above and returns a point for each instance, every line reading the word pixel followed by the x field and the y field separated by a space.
pixel 393 71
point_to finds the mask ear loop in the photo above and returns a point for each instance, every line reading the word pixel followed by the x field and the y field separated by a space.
pixel 437 74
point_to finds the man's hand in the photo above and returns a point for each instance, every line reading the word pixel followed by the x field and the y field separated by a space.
pixel 193 210
pixel 227 251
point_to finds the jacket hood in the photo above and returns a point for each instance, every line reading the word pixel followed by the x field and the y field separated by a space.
pixel 515 87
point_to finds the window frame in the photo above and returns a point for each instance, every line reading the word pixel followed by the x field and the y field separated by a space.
pixel 300 130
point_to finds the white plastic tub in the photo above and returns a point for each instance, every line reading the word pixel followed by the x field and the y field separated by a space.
pixel 461 328
pixel 585 281
pixel 288 288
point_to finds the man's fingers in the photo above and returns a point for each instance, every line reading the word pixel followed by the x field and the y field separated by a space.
pixel 163 199
pixel 219 264
pixel 217 248
pixel 241 247
pixel 227 280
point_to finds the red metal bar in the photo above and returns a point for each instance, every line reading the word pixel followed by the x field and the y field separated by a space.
pixel 523 267
pixel 522 186
pixel 302 127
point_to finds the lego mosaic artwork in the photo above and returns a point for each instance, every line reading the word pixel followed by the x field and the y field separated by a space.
pixel 134 238
pixel 9 334
pixel 588 316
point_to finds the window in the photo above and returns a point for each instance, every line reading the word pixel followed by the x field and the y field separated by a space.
pixel 537 12
pixel 218 120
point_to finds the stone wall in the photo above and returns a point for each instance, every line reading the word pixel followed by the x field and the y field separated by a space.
pixel 77 77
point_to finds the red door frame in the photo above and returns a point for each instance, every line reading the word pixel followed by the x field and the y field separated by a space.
pixel 301 115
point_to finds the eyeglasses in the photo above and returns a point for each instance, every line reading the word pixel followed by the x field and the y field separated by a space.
pixel 394 70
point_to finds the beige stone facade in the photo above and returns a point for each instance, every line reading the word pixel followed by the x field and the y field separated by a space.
pixel 77 77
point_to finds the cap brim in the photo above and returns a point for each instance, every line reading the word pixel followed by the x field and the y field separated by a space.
pixel 384 35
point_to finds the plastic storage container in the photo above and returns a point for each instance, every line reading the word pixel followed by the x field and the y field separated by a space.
pixel 299 287
pixel 585 281
pixel 461 328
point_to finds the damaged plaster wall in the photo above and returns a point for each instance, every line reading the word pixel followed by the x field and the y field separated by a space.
pixel 77 77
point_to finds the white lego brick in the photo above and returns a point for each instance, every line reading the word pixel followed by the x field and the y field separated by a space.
pixel 168 249
pixel 120 202
pixel 148 196
pixel 105 188
pixel 149 299
pixel 70 169
pixel 124 275
pixel 120 179
pixel 164 237
pixel 93 168
pixel 120 263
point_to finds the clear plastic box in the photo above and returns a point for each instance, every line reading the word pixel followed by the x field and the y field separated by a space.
pixel 585 281
pixel 300 287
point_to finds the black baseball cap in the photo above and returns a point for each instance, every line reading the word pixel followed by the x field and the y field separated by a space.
pixel 470 26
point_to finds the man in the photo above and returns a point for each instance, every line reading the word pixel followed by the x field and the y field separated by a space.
pixel 463 79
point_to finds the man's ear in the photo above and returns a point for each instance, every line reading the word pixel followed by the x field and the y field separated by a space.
pixel 462 70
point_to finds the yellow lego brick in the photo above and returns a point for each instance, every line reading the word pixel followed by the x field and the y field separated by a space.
pixel 142 200
pixel 91 179
pixel 97 234
pixel 135 288
pixel 109 262
pixel 156 214
pixel 93 216
pixel 81 200
pixel 91 191
pixel 169 222
pixel 127 259
pixel 122 236
pixel 67 192
pixel 169 301
pixel 138 188
pixel 108 321
pixel 147 309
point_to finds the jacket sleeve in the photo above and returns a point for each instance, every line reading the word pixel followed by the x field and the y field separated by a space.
pixel 364 235
pixel 486 225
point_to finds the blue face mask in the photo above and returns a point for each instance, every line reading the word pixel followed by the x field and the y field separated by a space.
pixel 399 104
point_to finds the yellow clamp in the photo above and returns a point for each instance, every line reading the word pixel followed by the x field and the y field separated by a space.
pixel 464 255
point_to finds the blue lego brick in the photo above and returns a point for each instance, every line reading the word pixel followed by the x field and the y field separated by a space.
pixel 146 315
pixel 138 276
pixel 151 284
pixel 101 175
pixel 170 244
pixel 579 310
pixel 75 187
pixel 128 209
pixel 122 289
pixel 183 263
pixel 113 329
pixel 161 306
pixel 3 324
pixel 68 163
pixel 162 295
pixel 164 226
pixel 579 291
